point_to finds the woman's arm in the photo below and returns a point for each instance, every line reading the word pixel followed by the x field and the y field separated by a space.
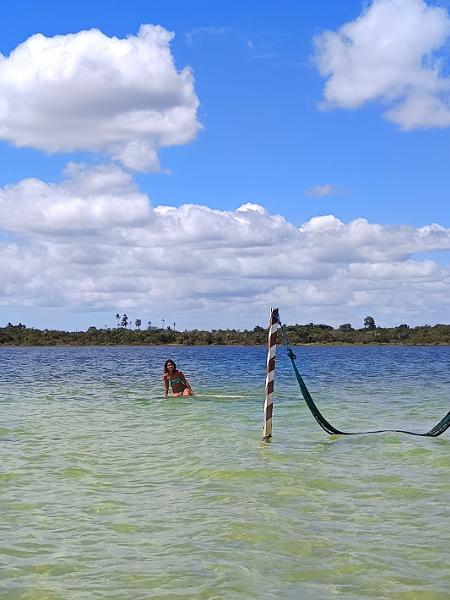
pixel 166 385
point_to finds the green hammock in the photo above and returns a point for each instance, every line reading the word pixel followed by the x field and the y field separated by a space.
pixel 438 429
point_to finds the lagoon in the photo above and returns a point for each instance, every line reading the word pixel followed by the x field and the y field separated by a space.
pixel 108 490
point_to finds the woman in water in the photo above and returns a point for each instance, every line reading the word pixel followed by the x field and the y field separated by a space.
pixel 176 380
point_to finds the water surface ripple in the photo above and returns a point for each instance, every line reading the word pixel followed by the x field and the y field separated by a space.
pixel 108 490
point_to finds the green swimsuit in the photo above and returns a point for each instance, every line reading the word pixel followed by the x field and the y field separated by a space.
pixel 177 384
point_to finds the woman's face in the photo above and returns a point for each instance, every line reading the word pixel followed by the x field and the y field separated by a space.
pixel 170 366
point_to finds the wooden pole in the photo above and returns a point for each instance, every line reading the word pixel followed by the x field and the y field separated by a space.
pixel 270 373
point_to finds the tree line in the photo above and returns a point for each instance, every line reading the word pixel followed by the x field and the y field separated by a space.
pixel 310 333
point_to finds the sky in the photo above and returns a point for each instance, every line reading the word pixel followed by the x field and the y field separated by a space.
pixel 200 162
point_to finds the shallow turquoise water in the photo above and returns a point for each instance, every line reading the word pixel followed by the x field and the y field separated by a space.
pixel 108 490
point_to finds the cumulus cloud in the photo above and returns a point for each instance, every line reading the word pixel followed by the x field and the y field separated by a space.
pixel 94 242
pixel 89 200
pixel 87 91
pixel 393 52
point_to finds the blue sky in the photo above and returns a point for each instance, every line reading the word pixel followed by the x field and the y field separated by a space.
pixel 357 182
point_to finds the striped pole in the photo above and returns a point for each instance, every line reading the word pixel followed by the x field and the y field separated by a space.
pixel 270 373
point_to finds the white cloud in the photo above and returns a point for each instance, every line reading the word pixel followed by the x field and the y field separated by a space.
pixel 392 52
pixel 324 223
pixel 90 200
pixel 209 30
pixel 318 191
pixel 87 91
pixel 94 242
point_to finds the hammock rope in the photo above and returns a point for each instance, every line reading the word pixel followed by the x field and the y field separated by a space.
pixel 435 431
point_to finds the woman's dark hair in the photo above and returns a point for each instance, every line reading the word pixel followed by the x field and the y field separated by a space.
pixel 169 361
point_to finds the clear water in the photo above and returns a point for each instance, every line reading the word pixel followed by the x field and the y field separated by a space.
pixel 108 490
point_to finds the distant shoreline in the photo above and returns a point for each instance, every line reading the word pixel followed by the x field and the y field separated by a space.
pixel 308 335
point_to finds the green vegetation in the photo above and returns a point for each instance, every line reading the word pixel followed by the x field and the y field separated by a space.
pixel 20 335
